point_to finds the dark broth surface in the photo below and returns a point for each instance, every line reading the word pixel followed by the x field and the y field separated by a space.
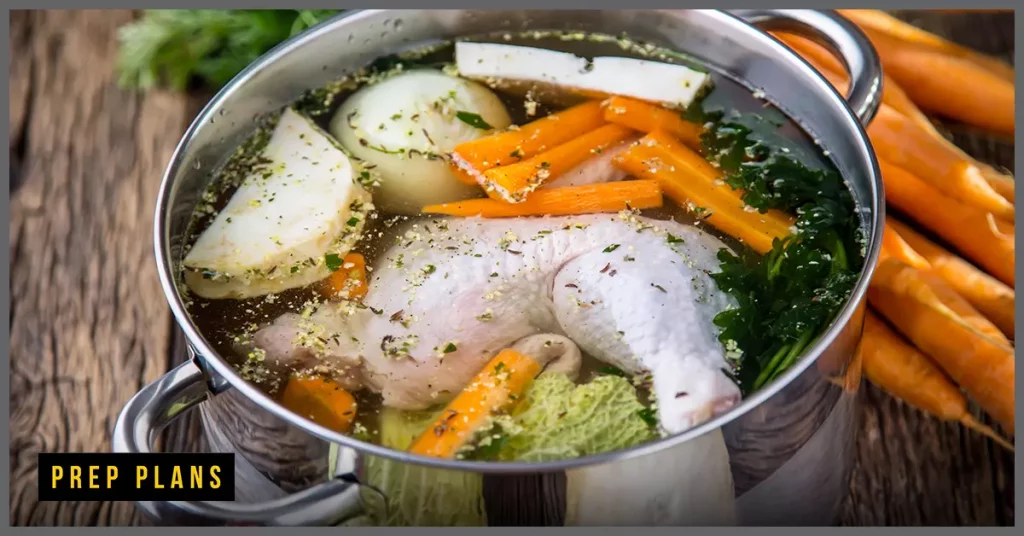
pixel 223 321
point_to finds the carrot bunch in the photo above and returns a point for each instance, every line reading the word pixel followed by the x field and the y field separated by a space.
pixel 941 318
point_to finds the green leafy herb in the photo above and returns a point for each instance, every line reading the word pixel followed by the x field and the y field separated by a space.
pixel 611 371
pixel 649 416
pixel 611 248
pixel 173 47
pixel 473 120
pixel 789 295
pixel 450 347
pixel 333 261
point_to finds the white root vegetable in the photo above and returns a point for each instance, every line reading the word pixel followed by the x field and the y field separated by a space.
pixel 664 83
pixel 284 221
pixel 406 124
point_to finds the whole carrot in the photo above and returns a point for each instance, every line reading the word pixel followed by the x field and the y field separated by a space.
pixel 968 229
pixel 981 365
pixel 987 294
pixel 894 246
pixel 948 85
pixel 905 373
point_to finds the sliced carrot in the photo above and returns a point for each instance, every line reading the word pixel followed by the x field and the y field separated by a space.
pixel 514 182
pixel 893 246
pixel 987 294
pixel 496 387
pixel 968 229
pixel 948 85
pixel 982 366
pixel 565 201
pixel 883 22
pixel 692 182
pixel 904 372
pixel 471 159
pixel 349 281
pixel 646 117
pixel 321 401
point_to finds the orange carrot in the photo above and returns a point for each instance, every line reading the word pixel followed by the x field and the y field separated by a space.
pixel 348 281
pixel 496 387
pixel 565 201
pixel 904 372
pixel 321 401
pixel 987 294
pixel 966 228
pixel 471 159
pixel 833 71
pixel 883 22
pixel 646 117
pixel 895 98
pixel 982 366
pixel 514 182
pixel 893 246
pixel 948 85
pixel 694 183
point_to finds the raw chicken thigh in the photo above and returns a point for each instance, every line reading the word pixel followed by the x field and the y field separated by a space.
pixel 630 291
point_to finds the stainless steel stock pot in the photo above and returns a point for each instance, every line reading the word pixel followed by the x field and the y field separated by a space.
pixel 788 449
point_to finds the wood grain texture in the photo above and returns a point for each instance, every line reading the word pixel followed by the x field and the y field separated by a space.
pixel 89 323
pixel 90 326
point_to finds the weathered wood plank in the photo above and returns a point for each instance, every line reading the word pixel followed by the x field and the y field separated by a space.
pixel 89 324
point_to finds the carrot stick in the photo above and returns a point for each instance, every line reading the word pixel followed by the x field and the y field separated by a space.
pixel 966 228
pixel 471 159
pixel 982 366
pixel 646 117
pixel 321 401
pixel 883 22
pixel 565 201
pixel 514 182
pixel 948 85
pixel 904 372
pixel 694 183
pixel 349 281
pixel 987 294
pixel 497 386
pixel 893 246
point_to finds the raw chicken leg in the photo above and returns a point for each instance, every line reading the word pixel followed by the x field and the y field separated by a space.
pixel 633 292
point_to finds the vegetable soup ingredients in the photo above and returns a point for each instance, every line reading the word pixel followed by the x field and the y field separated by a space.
pixel 693 182
pixel 966 228
pixel 565 201
pixel 514 182
pixel 981 365
pixel 472 158
pixel 646 117
pixel 665 83
pixel 989 295
pixel 904 372
pixel 883 22
pixel 348 282
pixel 987 102
pixel 321 401
pixel 406 124
pixel 559 420
pixel 894 246
pixel 496 387
pixel 416 495
pixel 172 47
pixel 295 208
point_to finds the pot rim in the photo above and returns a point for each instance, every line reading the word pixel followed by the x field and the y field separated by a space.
pixel 210 358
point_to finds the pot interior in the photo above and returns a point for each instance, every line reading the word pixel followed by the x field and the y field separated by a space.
pixel 349 42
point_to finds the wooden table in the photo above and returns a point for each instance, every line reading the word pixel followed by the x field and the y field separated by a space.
pixel 89 324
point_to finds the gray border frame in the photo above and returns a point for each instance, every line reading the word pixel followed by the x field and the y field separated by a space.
pixel 407 4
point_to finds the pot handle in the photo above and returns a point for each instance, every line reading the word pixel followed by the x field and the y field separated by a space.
pixel 841 37
pixel 183 388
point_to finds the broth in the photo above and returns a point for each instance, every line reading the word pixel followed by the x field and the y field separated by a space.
pixel 227 322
